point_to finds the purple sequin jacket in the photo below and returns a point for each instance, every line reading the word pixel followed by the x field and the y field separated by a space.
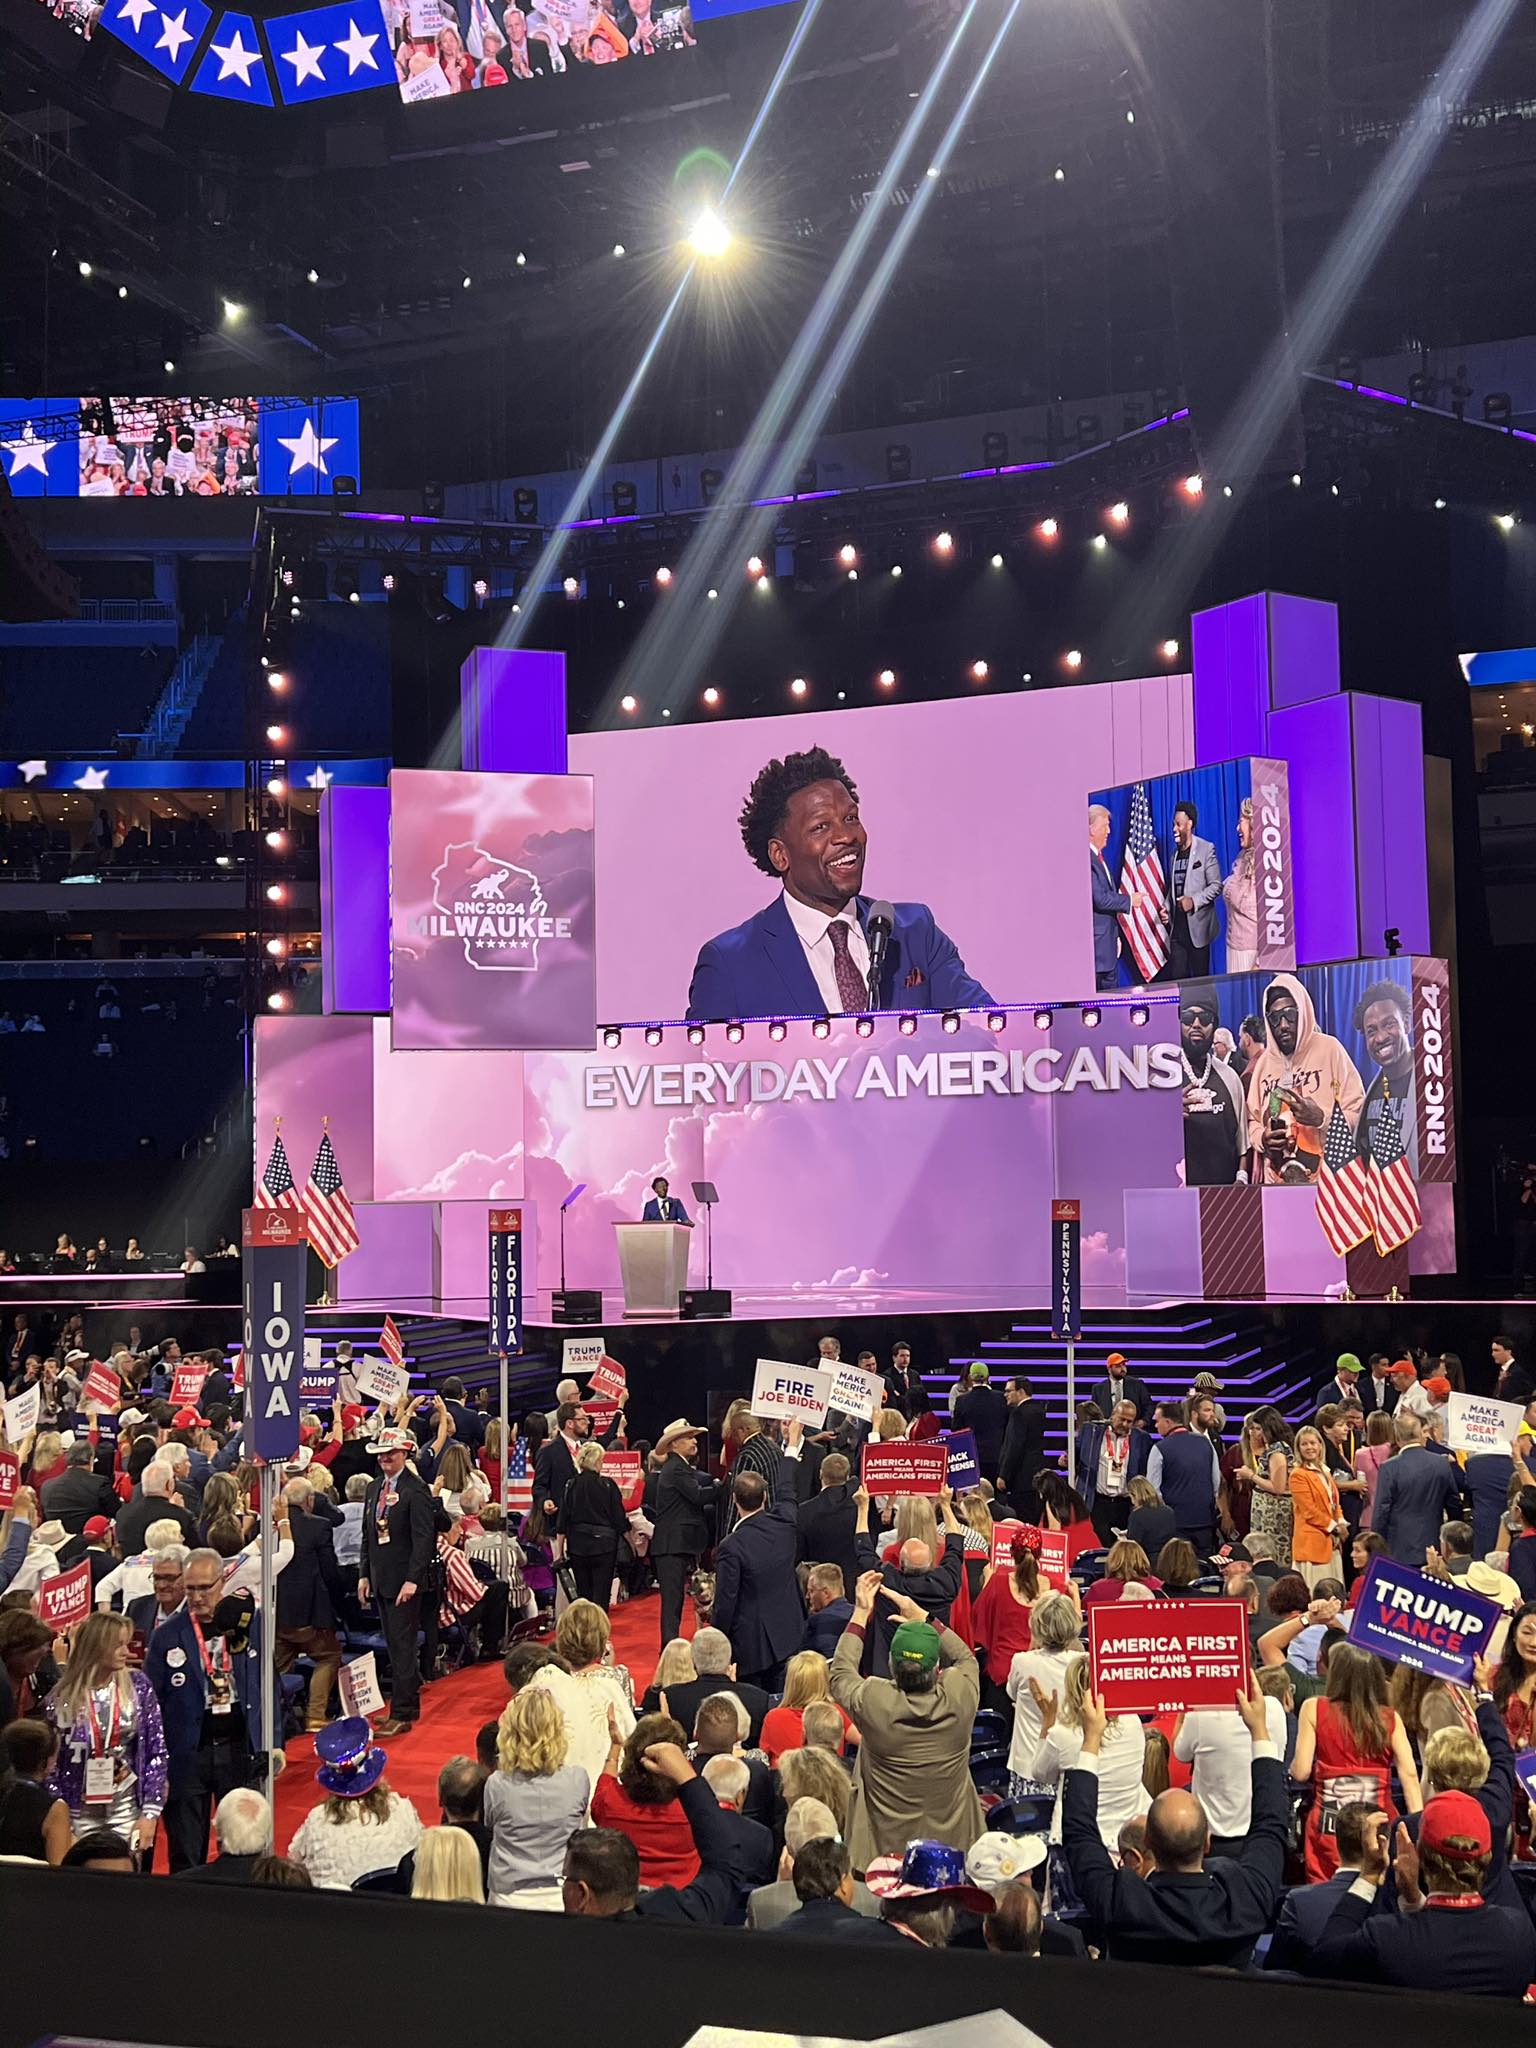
pixel 146 1752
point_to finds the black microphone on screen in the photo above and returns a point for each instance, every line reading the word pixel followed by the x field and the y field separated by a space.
pixel 878 927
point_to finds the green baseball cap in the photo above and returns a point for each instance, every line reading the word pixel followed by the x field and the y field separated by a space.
pixel 1347 1362
pixel 915 1646
pixel 980 1371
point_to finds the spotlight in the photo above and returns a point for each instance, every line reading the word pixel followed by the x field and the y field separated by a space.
pixel 1042 1020
pixel 1073 657
pixel 277 841
pixel 627 703
pixel 709 236
pixel 1192 486
pixel 754 565
pixel 612 1038
pixel 278 1000
pixel 277 948
pixel 764 584
pixel 276 786
pixel 1058 176
pixel 711 696
pixel 895 568
pixel 571 586
pixel 979 671
pixel 169 367
pixel 822 1028
pixel 313 276
pixel 1093 1016
pixel 950 1020
pixel 653 1034
pixel 887 679
pixel 734 1033
pixel 776 1031
pixel 847 554
pixel 663 576
pixel 1439 504
pixel 1169 650
pixel 907 1024
pixel 1296 478
pixel 997 1020
pixel 711 595
pixel 122 291
pixel 521 260
pixel 1140 1013
pixel 618 248
pixel 288 579
pixel 84 269
pixel 1048 529
pixel 865 1027
pixel 1226 490
pixel 277 735
pixel 695 1034
pixel 276 893
pixel 354 597
pixel 944 543
pixel 798 687
pixel 666 711
pixel 997 561
pixel 233 311
pixel 1099 542
pixel 1504 521
pixel 482 588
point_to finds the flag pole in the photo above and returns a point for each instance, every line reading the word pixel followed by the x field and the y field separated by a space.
pixel 268 1588
pixel 506 1530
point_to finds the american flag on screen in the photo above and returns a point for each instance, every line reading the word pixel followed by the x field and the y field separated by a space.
pixel 1341 1187
pixel 391 1343
pixel 1391 1195
pixel 519 1480
pixel 276 1189
pixel 1141 874
pixel 332 1227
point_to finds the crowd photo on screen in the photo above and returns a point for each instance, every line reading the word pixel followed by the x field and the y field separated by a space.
pixel 447 46
pixel 168 447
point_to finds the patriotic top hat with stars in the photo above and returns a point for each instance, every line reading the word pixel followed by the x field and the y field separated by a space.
pixel 351 1762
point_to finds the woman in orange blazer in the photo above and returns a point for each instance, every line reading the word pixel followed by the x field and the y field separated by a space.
pixel 1317 1519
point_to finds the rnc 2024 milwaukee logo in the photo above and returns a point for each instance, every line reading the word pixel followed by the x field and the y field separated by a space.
pixel 496 908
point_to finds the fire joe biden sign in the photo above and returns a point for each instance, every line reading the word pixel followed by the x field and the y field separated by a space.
pixel 492 911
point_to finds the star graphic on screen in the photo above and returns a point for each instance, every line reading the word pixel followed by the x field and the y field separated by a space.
pixel 318 778
pixel 93 778
pixel 307 450
pixel 30 452
pixel 357 48
pixel 135 11
pixel 305 59
pixel 174 33
pixel 31 770
pixel 234 57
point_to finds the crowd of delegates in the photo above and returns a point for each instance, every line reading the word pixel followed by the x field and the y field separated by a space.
pixel 441 49
pixel 875 1732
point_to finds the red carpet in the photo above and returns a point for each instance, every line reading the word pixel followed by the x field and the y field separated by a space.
pixel 453 1711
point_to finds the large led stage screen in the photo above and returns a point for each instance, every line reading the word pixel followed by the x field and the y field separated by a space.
pixel 969 816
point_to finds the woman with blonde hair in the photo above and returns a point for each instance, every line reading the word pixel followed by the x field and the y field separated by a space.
pixel 534 1801
pixel 1122 1758
pixel 815 1774
pixel 976 1527
pixel 448 1868
pixel 112 1766
pixel 805 1685
pixel 1317 1517
pixel 587 1691
pixel 1055 1623
pixel 675 1666
pixel 890 1426
pixel 455 1470
pixel 1127 1564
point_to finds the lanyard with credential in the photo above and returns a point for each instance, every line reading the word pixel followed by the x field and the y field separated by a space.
pixel 104 1745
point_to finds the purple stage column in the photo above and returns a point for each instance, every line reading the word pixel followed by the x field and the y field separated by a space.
pixel 1257 655
pixel 1318 742
pixel 1391 853
pixel 512 708
pixel 354 899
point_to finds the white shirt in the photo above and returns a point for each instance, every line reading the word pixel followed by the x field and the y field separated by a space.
pixel 1048 1668
pixel 1216 1743
pixel 1122 1759
pixel 1111 1478
pixel 584 1699
pixel 813 927
pixel 337 1853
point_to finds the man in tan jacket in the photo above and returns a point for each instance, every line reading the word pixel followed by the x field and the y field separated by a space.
pixel 913 1775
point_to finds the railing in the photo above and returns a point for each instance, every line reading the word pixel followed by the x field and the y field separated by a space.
pixel 85 868
pixel 177 701
pixel 118 611
pixel 118 970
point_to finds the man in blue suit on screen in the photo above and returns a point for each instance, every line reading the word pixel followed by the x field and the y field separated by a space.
pixel 808 952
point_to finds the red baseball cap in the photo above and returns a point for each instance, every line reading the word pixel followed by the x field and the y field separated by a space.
pixel 352 1415
pixel 1403 1370
pixel 98 1525
pixel 1455 1816
pixel 1439 1387
pixel 187 1418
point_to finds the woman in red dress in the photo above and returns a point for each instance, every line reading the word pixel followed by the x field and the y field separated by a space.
pixel 1514 1692
pixel 1347 1744
pixel 1000 1622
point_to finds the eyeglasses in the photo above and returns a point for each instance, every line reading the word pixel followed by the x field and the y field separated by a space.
pixel 207 1586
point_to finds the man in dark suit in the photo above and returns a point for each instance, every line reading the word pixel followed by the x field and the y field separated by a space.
pixel 1187 1911
pixel 753 1854
pixel 555 1466
pixel 79 1492
pixel 663 1207
pixel 757 1596
pixel 685 1703
pixel 1307 1908
pixel 828 1608
pixel 826 1522
pixel 808 952
pixel 1109 903
pixel 904 1383
pixel 1109 1456
pixel 309 1595
pixel 1376 1389
pixel 1023 1449
pixel 1119 1385
pixel 204 1663
pixel 1416 1492
pixel 168 1574
pixel 399 1544
pixel 468 1423
pixel 155 1501
pixel 678 1498
pixel 984 1411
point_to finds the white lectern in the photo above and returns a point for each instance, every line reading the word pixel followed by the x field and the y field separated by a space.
pixel 653 1265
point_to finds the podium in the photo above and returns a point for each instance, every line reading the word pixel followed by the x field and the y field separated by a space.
pixel 653 1265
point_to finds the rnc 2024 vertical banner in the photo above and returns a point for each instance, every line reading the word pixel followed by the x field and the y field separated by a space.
pixel 492 911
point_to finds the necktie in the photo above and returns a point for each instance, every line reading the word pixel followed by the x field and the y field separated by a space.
pixel 852 989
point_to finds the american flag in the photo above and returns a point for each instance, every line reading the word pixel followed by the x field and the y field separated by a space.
pixel 1141 874
pixel 276 1189
pixel 391 1343
pixel 519 1479
pixel 332 1229
pixel 1391 1197
pixel 1341 1187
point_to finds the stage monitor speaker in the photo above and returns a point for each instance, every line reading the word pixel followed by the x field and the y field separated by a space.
pixel 697 1302
pixel 576 1305
pixel 1217 144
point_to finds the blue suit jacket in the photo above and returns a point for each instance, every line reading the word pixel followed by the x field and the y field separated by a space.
pixel 1090 1441
pixel 651 1213
pixel 1108 902
pixel 174 1667
pixel 760 970
pixel 757 1596
pixel 1416 1493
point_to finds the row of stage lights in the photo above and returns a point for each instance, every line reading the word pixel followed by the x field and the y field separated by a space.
pixel 1092 1015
